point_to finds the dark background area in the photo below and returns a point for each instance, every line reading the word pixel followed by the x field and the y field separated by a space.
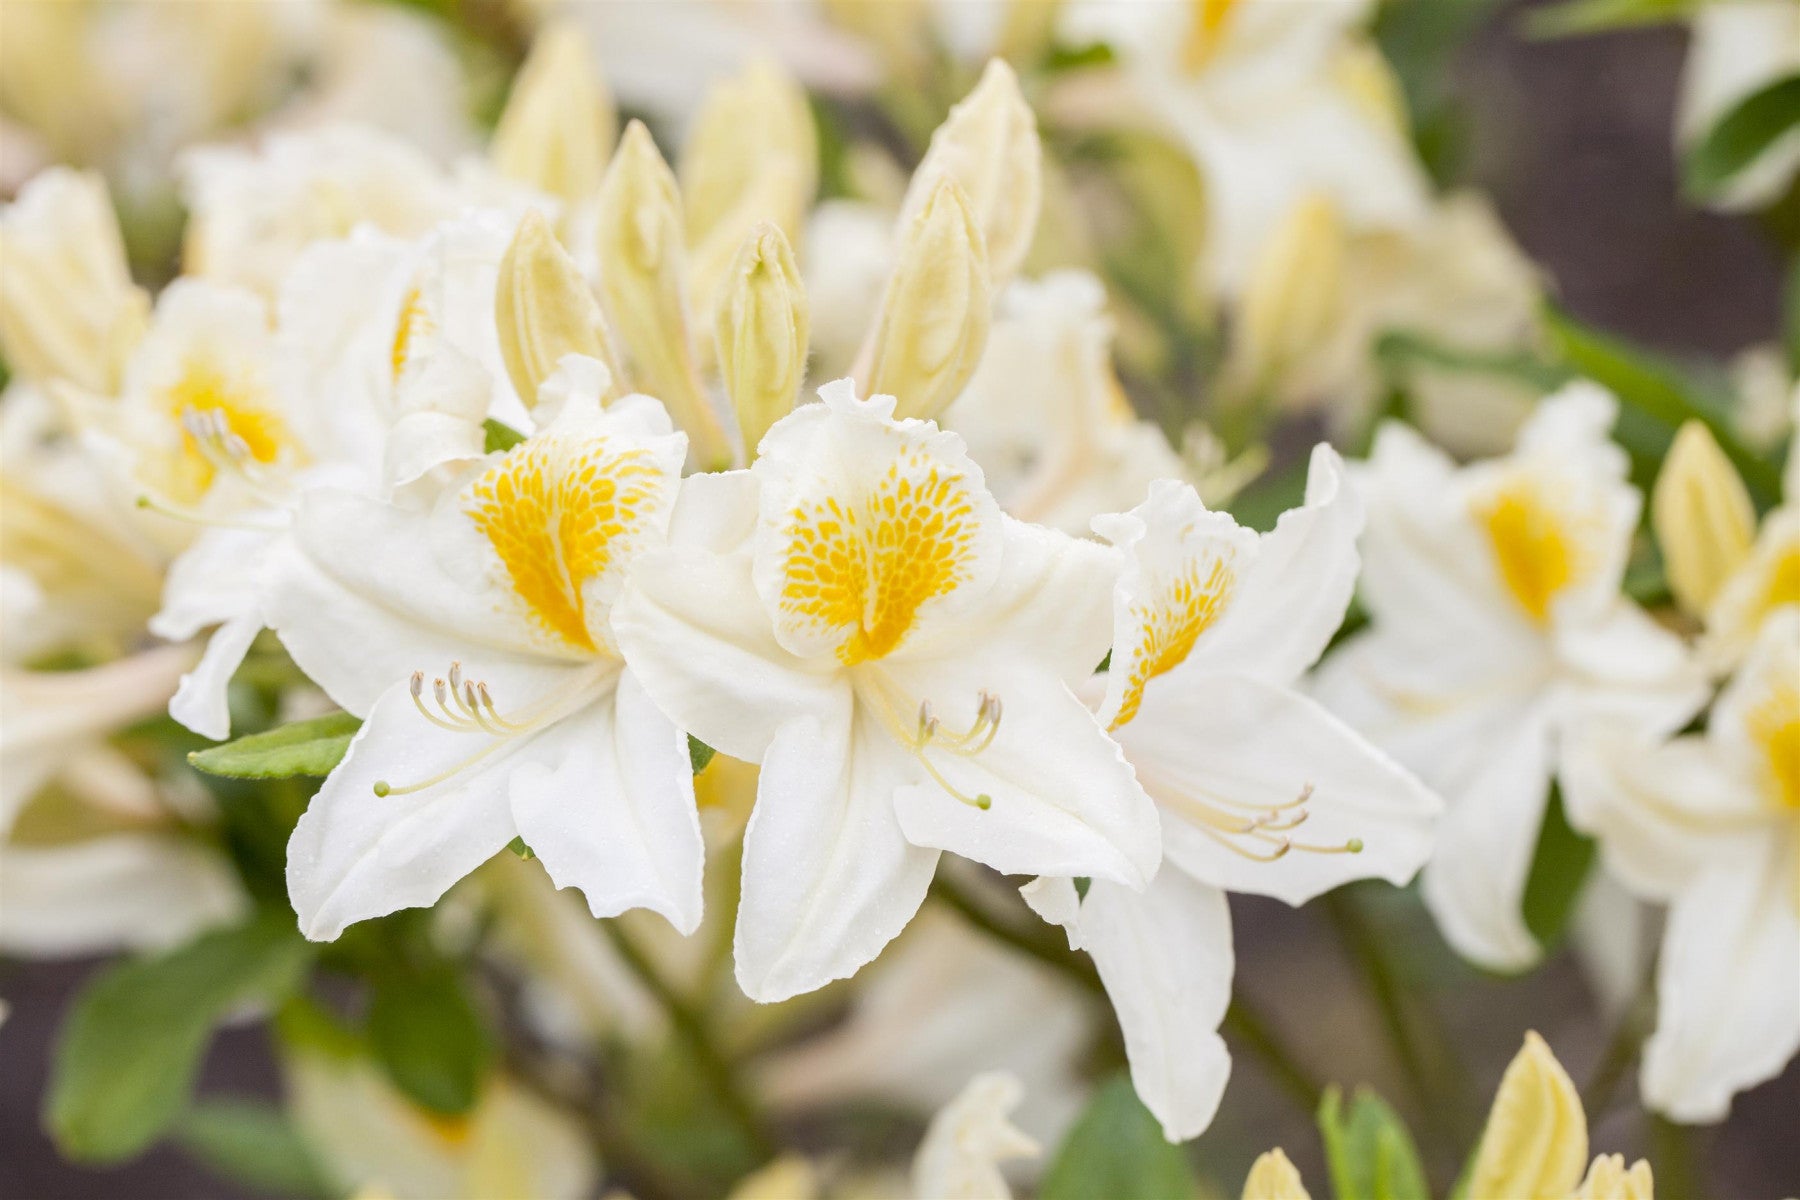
pixel 1573 141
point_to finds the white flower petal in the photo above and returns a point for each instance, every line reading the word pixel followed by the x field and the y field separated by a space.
pixel 202 701
pixel 1218 746
pixel 960 1155
pixel 829 879
pixel 1728 986
pixel 607 804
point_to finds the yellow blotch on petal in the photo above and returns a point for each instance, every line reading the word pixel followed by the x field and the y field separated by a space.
pixel 1536 1142
pixel 1206 32
pixel 867 566
pixel 1774 724
pixel 414 325
pixel 207 388
pixel 1273 1177
pixel 559 513
pixel 1538 544
pixel 1703 517
pixel 1608 1179
pixel 1170 624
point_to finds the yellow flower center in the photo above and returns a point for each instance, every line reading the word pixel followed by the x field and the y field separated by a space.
pixel 1775 728
pixel 559 513
pixel 1783 586
pixel 866 566
pixel 243 429
pixel 1537 545
pixel 1206 31
pixel 1170 624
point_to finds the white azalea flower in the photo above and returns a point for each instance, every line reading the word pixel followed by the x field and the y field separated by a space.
pixel 1044 414
pixel 855 612
pixel 1497 623
pixel 1735 50
pixel 1260 790
pixel 968 1139
pixel 475 638
pixel 1710 824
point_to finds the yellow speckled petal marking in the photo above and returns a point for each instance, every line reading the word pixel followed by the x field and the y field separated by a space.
pixel 206 387
pixel 410 330
pixel 1775 728
pixel 560 513
pixel 1171 621
pixel 865 566
pixel 1541 547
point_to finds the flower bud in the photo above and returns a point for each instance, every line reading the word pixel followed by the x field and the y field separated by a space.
pixel 989 145
pixel 934 315
pixel 642 278
pixel 762 333
pixel 1536 1139
pixel 1273 1177
pixel 1293 296
pixel 1608 1179
pixel 748 123
pixel 559 122
pixel 1703 517
pixel 772 196
pixel 544 310
pixel 68 308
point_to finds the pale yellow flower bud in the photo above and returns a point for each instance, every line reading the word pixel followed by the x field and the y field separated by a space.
pixel 934 315
pixel 68 308
pixel 642 281
pixel 1294 295
pixel 747 124
pixel 1703 517
pixel 559 122
pixel 771 196
pixel 1608 1179
pixel 788 1178
pixel 1273 1177
pixel 543 310
pixel 989 145
pixel 1536 1139
pixel 762 333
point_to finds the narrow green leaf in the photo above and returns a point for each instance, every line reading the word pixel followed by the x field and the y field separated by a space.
pixel 1369 1151
pixel 699 753
pixel 129 1050
pixel 500 436
pixel 425 1032
pixel 1117 1149
pixel 1573 18
pixel 1741 137
pixel 1559 867
pixel 302 748
pixel 253 1143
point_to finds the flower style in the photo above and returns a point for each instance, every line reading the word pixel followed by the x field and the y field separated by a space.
pixel 475 638
pixel 1259 788
pixel 1710 824
pixel 855 612
pixel 1497 623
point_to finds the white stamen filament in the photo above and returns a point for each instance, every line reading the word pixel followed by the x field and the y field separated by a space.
pixel 1231 823
pixel 929 733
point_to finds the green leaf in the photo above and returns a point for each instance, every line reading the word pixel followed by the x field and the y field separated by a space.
pixel 252 1143
pixel 1573 18
pixel 128 1053
pixel 519 847
pixel 302 748
pixel 1558 869
pixel 1757 122
pixel 1369 1151
pixel 500 436
pixel 425 1032
pixel 1117 1150
pixel 699 753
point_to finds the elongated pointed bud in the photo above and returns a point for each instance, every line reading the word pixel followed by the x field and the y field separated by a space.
pixel 543 310
pixel 989 145
pixel 559 123
pixel 934 315
pixel 68 308
pixel 762 333
pixel 771 197
pixel 1536 1139
pixel 1608 1179
pixel 1703 517
pixel 642 288
pixel 1294 294
pixel 748 123
pixel 1273 1177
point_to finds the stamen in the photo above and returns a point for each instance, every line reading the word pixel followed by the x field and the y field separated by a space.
pixel 928 733
pixel 191 516
pixel 1233 823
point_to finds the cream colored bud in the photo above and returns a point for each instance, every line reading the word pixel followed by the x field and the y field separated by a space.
pixel 1273 1177
pixel 1536 1139
pixel 773 196
pixel 642 288
pixel 68 308
pixel 1703 517
pixel 934 315
pixel 748 123
pixel 762 333
pixel 559 123
pixel 1608 1179
pixel 989 145
pixel 1294 295
pixel 543 310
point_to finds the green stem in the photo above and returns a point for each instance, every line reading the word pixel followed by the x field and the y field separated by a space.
pixel 1620 1053
pixel 1249 1026
pixel 692 1029
pixel 1672 1160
